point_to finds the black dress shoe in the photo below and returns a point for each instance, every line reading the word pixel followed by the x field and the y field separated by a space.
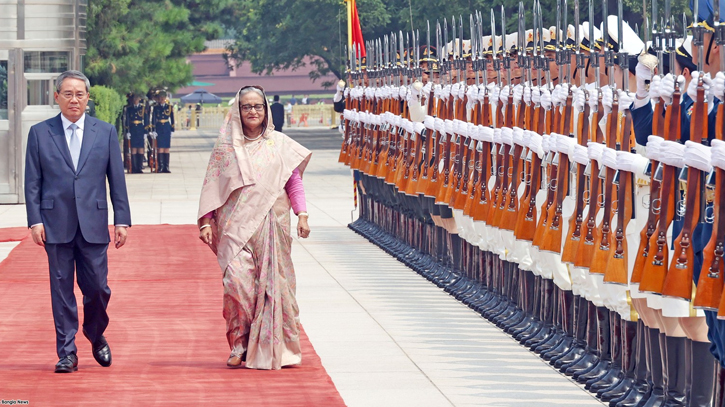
pixel 101 350
pixel 68 364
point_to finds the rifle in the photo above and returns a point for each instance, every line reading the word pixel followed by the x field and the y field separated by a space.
pixel 602 253
pixel 678 282
pixel 348 106
pixel 616 269
pixel 653 275
pixel 527 221
pixel 483 199
pixel 574 235
pixel 126 141
pixel 658 127
pixel 710 283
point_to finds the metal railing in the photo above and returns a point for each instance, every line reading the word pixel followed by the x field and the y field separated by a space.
pixel 301 116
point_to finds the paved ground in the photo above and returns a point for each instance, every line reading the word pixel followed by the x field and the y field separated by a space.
pixel 386 336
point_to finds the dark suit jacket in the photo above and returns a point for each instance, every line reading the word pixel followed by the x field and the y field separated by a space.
pixel 61 198
pixel 277 115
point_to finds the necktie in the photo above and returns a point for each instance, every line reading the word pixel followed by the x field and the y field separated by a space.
pixel 74 146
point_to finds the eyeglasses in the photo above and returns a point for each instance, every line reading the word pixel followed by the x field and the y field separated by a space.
pixel 71 95
pixel 248 108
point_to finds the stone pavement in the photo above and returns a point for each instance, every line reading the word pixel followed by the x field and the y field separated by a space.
pixel 386 336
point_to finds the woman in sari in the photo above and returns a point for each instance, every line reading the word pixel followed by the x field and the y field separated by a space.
pixel 252 181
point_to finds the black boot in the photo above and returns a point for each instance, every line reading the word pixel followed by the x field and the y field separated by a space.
pixel 630 332
pixel 578 348
pixel 703 375
pixel 676 372
pixel 568 305
pixel 591 357
pixel 137 163
pixel 642 377
pixel 658 349
pixel 603 346
pixel 615 373
pixel 165 163
pixel 719 396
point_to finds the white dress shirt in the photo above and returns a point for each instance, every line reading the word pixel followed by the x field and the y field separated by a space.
pixel 68 131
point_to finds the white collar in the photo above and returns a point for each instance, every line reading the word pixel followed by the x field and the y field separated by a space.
pixel 66 122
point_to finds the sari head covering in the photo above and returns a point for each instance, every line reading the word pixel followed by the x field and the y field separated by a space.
pixel 231 168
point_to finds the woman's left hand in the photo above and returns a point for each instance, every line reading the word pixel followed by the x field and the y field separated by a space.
pixel 303 229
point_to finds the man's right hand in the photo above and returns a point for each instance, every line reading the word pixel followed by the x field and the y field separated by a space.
pixel 128 136
pixel 38 232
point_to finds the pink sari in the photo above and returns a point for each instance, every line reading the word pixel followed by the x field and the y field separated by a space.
pixel 244 185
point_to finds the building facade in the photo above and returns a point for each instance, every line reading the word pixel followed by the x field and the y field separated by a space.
pixel 39 39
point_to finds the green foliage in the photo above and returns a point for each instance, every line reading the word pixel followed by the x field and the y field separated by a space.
pixel 134 45
pixel 109 103
pixel 279 34
pixel 3 86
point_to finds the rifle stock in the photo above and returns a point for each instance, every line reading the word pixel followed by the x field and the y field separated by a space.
pixel 678 282
pixel 710 283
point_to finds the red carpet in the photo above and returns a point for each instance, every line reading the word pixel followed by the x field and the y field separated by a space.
pixel 166 334
pixel 14 234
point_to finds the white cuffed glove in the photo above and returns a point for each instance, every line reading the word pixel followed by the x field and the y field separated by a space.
pixel 667 87
pixel 698 156
pixel 564 93
pixel 546 99
pixel 594 100
pixel 504 95
pixel 128 136
pixel 518 94
pixel 495 92
pixel 654 88
pixel 717 88
pixel 340 90
pixel 625 100
pixel 580 100
pixel 692 87
pixel 643 74
pixel 527 94
pixel 536 95
pixel 706 84
pixel 556 96
pixel 607 99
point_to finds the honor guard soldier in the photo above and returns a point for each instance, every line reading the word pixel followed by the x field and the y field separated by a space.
pixel 137 121
pixel 126 130
pixel 163 125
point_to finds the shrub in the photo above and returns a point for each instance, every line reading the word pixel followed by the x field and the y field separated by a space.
pixel 109 104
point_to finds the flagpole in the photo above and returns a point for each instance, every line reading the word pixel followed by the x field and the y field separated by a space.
pixel 349 23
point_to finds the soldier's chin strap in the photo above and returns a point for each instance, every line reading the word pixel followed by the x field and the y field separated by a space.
pixel 709 48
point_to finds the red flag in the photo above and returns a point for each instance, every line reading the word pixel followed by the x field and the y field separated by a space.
pixel 356 31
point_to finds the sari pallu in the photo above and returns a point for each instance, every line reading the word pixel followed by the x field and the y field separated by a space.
pixel 244 186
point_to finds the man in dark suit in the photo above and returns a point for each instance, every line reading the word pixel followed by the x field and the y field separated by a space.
pixel 277 114
pixel 68 159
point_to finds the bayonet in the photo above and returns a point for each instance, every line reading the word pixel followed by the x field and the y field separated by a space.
pixel 505 49
pixel 461 60
pixel 623 56
pixel 444 55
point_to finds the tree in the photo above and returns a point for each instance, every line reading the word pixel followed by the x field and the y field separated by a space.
pixel 109 103
pixel 134 45
pixel 280 34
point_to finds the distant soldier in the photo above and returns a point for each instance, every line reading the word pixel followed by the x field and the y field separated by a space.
pixel 137 121
pixel 163 124
pixel 277 113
